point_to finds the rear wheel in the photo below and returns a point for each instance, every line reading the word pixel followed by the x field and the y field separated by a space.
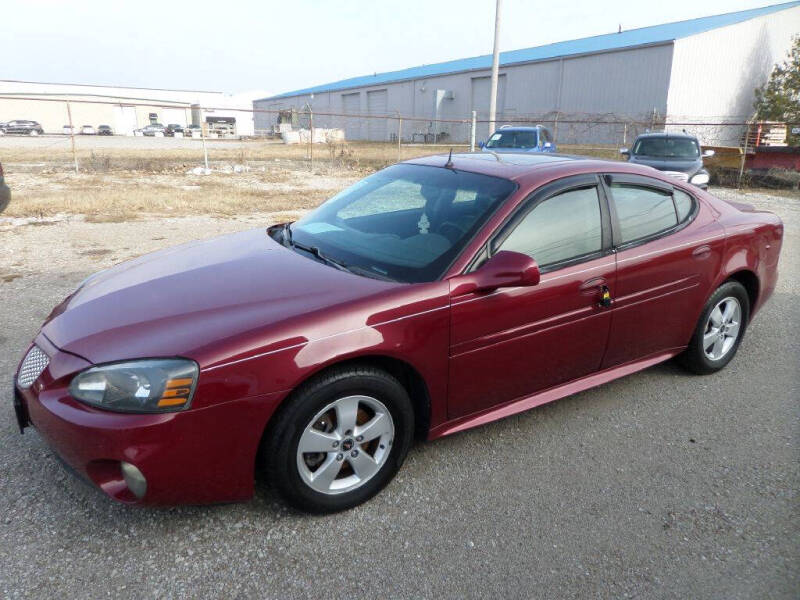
pixel 34 132
pixel 719 331
pixel 339 440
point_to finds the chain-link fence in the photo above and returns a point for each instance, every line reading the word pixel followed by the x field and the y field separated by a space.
pixel 88 128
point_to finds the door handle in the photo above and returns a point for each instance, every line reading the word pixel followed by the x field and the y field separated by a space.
pixel 701 251
pixel 597 285
pixel 592 285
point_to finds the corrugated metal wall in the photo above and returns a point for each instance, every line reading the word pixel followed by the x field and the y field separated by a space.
pixel 714 74
pixel 629 83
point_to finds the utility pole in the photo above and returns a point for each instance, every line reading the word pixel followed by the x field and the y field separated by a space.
pixel 495 67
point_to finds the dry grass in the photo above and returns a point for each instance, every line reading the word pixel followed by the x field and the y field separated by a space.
pixel 107 198
pixel 121 184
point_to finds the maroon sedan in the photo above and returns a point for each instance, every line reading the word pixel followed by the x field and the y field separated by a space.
pixel 431 297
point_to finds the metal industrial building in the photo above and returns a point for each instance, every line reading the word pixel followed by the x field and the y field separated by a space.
pixel 699 71
pixel 122 108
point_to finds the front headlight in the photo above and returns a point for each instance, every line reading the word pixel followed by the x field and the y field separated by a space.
pixel 700 178
pixel 141 386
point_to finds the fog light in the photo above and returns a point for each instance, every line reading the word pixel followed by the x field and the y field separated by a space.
pixel 134 479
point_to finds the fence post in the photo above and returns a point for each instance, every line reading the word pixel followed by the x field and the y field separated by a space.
pixel 555 128
pixel 399 135
pixel 744 155
pixel 203 137
pixel 72 137
pixel 473 125
pixel 625 135
pixel 311 136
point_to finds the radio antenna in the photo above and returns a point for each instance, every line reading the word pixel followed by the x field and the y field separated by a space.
pixel 449 163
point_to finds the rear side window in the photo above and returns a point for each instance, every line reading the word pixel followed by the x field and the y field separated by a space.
pixel 683 205
pixel 561 228
pixel 642 212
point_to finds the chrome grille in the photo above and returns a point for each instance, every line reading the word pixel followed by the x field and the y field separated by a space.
pixel 35 362
pixel 677 175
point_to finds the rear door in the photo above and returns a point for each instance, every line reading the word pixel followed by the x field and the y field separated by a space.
pixel 668 249
pixel 513 342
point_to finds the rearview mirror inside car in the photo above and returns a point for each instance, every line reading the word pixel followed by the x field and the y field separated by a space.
pixel 504 269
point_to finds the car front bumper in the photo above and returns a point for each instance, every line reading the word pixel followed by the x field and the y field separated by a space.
pixel 197 456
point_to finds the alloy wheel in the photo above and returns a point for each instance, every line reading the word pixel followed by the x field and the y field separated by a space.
pixel 722 328
pixel 345 444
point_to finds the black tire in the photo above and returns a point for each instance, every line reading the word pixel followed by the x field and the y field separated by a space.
pixel 278 452
pixel 694 357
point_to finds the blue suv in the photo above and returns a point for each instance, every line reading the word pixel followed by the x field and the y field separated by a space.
pixel 520 139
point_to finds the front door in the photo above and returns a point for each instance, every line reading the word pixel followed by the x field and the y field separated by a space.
pixel 514 342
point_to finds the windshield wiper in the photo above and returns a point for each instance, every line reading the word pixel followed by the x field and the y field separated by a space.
pixel 314 251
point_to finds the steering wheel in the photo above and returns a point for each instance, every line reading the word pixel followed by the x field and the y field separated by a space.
pixel 452 231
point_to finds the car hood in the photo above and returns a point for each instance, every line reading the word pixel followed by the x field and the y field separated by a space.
pixel 689 167
pixel 201 300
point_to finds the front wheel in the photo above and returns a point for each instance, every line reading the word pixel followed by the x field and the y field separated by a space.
pixel 339 440
pixel 719 331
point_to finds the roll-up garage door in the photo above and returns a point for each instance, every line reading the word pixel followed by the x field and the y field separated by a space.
pixel 351 105
pixel 377 104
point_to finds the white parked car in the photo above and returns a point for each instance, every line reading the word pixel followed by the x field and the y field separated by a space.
pixel 67 130
pixel 88 130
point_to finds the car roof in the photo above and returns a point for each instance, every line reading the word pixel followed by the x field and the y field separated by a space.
pixel 534 169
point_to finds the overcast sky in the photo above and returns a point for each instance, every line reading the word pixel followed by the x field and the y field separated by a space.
pixel 236 46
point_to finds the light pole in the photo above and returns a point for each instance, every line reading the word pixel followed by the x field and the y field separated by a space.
pixel 495 67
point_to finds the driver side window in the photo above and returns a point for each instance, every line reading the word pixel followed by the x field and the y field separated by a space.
pixel 564 227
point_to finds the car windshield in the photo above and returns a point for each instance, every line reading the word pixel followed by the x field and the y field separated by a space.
pixel 405 223
pixel 667 147
pixel 512 139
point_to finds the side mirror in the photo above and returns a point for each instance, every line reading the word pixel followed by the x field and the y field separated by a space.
pixel 504 269
pixel 708 153
pixel 481 144
pixel 547 145
pixel 624 152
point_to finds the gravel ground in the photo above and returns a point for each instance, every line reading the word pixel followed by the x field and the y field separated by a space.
pixel 659 485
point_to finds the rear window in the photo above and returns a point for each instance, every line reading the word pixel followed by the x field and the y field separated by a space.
pixel 683 205
pixel 642 212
